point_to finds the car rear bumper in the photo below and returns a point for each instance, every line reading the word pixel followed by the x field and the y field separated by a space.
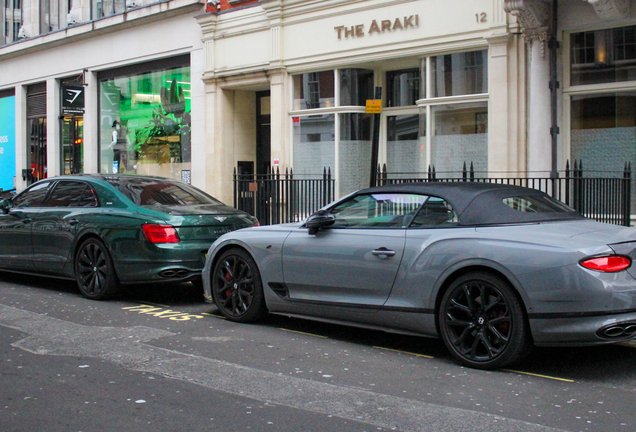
pixel 584 329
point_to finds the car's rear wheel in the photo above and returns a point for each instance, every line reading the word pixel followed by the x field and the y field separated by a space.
pixel 482 322
pixel 94 270
pixel 237 288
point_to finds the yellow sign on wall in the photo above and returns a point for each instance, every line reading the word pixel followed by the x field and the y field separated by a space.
pixel 374 106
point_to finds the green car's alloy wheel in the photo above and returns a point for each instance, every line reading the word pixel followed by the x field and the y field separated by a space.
pixel 237 287
pixel 94 270
pixel 483 323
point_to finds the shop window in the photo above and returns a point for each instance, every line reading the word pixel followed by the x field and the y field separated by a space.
pixel 460 74
pixel 314 90
pixel 406 144
pixel 603 132
pixel 7 140
pixel 314 144
pixel 145 123
pixel 356 86
pixel 603 56
pixel 354 151
pixel 460 135
pixel 403 87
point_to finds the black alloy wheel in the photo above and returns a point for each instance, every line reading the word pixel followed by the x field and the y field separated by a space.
pixel 483 323
pixel 94 271
pixel 237 288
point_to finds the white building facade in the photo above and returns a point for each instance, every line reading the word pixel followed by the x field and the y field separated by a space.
pixel 103 87
pixel 452 77
pixel 171 89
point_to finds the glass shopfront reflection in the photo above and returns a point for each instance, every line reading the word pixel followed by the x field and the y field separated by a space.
pixel 145 123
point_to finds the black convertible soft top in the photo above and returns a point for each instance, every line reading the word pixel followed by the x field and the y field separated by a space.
pixel 480 203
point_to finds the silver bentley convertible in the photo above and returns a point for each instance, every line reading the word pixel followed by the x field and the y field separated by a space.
pixel 491 269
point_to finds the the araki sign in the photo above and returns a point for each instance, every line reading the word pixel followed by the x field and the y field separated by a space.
pixel 378 26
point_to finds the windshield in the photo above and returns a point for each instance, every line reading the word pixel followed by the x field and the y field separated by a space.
pixel 156 192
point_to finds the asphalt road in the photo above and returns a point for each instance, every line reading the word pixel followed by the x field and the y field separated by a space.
pixel 158 359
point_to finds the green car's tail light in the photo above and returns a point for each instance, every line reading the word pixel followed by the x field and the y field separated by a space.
pixel 609 263
pixel 161 233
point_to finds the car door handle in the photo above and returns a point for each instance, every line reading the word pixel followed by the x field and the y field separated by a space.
pixel 383 251
pixel 27 220
pixel 73 222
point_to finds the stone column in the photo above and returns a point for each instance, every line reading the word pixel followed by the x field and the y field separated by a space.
pixel 539 110
pixel 53 144
pixel 21 136
pixel 280 125
pixel 534 18
pixel 92 118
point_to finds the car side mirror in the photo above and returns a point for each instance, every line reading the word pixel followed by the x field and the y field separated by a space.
pixel 5 205
pixel 319 220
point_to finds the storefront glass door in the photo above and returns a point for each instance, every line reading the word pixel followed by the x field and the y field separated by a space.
pixel 72 145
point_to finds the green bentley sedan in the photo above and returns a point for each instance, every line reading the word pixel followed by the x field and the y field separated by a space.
pixel 109 230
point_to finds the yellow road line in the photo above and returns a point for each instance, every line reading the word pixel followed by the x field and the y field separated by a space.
pixel 212 315
pixel 404 352
pixel 538 375
pixel 303 333
pixel 628 344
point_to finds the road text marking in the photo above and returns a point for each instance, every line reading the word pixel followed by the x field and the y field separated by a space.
pixel 162 313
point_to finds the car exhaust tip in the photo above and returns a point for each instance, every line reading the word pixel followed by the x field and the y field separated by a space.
pixel 618 331
pixel 175 273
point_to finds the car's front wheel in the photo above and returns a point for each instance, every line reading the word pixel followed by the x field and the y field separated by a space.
pixel 94 270
pixel 237 288
pixel 482 322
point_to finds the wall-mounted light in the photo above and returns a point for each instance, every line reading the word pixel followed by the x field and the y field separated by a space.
pixel 600 47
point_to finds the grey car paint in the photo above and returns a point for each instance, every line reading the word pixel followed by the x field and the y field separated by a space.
pixel 548 282
pixel 396 279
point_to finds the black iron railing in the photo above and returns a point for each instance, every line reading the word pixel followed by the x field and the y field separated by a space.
pixel 280 198
pixel 603 196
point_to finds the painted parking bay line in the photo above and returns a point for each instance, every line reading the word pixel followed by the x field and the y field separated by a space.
pixel 129 348
pixel 538 375
pixel 303 333
pixel 404 352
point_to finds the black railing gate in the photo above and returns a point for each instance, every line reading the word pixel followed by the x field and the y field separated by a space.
pixel 275 198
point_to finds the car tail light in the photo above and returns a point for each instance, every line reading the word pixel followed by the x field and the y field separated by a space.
pixel 161 233
pixel 256 224
pixel 609 263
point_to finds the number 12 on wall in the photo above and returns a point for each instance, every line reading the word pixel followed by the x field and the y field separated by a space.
pixel 481 17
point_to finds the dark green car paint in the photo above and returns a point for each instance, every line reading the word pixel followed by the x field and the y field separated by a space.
pixel 57 232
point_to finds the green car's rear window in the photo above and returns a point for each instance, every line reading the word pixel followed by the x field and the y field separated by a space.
pixel 151 192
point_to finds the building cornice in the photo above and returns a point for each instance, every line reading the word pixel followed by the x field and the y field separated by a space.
pixel 533 15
